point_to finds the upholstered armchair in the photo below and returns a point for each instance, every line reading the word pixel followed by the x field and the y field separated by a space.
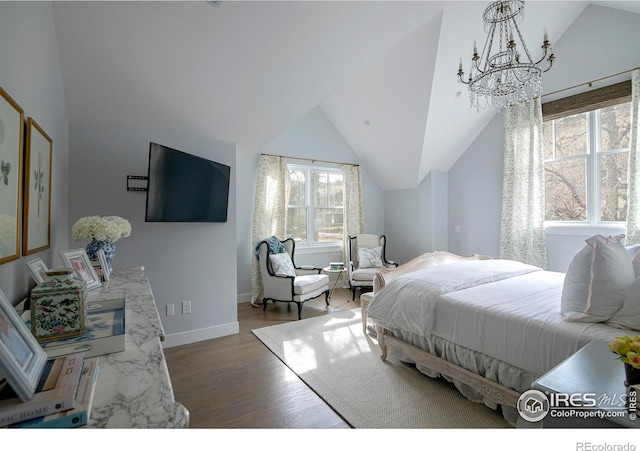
pixel 367 254
pixel 284 282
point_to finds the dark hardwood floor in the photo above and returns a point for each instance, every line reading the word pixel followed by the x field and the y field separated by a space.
pixel 237 382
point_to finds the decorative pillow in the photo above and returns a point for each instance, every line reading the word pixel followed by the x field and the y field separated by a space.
pixel 629 315
pixel 597 280
pixel 370 257
pixel 635 262
pixel 282 264
pixel 633 250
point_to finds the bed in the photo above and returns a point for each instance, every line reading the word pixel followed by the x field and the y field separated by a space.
pixel 489 326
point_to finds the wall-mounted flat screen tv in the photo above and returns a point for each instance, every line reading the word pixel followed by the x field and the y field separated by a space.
pixel 185 188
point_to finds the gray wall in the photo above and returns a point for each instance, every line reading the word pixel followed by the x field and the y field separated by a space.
pixel 30 73
pixel 312 136
pixel 183 261
pixel 601 42
pixel 415 220
pixel 475 194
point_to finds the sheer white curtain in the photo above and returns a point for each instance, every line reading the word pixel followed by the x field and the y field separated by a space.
pixel 354 220
pixel 522 235
pixel 270 211
pixel 633 204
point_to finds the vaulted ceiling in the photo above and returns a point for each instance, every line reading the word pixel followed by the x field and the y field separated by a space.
pixel 243 71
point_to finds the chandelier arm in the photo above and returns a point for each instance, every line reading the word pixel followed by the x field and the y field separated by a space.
pixel 526 50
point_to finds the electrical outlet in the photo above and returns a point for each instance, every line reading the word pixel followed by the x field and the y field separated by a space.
pixel 186 307
pixel 171 310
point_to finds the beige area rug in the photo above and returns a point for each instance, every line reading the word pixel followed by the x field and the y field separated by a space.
pixel 343 366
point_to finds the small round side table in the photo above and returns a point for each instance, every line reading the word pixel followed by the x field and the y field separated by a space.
pixel 339 278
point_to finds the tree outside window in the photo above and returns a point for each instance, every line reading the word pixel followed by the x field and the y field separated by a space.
pixel 586 166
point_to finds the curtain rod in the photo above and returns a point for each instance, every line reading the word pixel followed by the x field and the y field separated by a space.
pixel 590 83
pixel 313 160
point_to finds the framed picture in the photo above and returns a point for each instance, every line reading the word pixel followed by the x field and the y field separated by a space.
pixel 11 139
pixel 21 357
pixel 79 261
pixel 37 193
pixel 103 264
pixel 37 268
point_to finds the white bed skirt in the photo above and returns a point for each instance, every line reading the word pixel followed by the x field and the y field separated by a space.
pixel 493 369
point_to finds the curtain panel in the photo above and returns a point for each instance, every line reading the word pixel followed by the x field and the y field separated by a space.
pixel 633 202
pixel 522 235
pixel 269 213
pixel 354 220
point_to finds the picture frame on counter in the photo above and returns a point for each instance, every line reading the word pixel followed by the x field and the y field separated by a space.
pixel 81 264
pixel 21 357
pixel 37 195
pixel 11 177
pixel 38 270
pixel 103 264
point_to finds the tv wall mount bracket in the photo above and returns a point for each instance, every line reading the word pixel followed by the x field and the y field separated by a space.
pixel 135 182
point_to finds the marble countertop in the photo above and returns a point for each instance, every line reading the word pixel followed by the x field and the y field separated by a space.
pixel 134 388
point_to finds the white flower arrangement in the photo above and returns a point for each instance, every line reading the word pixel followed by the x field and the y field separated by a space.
pixel 101 228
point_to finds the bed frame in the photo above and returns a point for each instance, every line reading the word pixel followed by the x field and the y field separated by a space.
pixel 489 389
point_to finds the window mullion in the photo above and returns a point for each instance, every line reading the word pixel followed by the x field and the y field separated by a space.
pixel 592 170
pixel 594 143
pixel 309 205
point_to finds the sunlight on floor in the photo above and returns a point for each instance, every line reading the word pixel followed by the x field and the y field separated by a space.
pixel 341 332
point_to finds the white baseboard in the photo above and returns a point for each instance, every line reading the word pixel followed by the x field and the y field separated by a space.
pixel 193 336
pixel 244 297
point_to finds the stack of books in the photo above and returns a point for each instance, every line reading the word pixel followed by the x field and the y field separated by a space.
pixel 336 265
pixel 63 397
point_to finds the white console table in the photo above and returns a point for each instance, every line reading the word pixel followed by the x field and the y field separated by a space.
pixel 134 388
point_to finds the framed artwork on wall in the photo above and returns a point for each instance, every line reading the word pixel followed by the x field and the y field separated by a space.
pixel 21 357
pixel 37 193
pixel 11 139
pixel 79 261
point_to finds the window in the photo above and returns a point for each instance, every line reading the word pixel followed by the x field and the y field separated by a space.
pixel 586 165
pixel 315 211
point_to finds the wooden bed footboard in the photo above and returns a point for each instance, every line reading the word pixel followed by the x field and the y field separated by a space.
pixel 489 389
pixel 385 275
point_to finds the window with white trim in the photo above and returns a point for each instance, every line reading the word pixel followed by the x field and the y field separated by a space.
pixel 586 166
pixel 315 210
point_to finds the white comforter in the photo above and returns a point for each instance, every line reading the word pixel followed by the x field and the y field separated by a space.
pixel 503 309
pixel 409 302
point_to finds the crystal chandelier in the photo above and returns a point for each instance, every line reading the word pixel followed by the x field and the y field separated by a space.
pixel 509 76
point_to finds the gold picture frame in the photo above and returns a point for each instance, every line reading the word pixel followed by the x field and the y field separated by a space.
pixel 37 194
pixel 11 158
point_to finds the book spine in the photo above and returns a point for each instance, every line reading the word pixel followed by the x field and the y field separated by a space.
pixel 79 416
pixel 62 420
pixel 62 396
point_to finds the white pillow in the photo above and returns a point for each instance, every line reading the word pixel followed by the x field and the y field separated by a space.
pixel 282 264
pixel 633 250
pixel 370 257
pixel 597 280
pixel 635 262
pixel 629 315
